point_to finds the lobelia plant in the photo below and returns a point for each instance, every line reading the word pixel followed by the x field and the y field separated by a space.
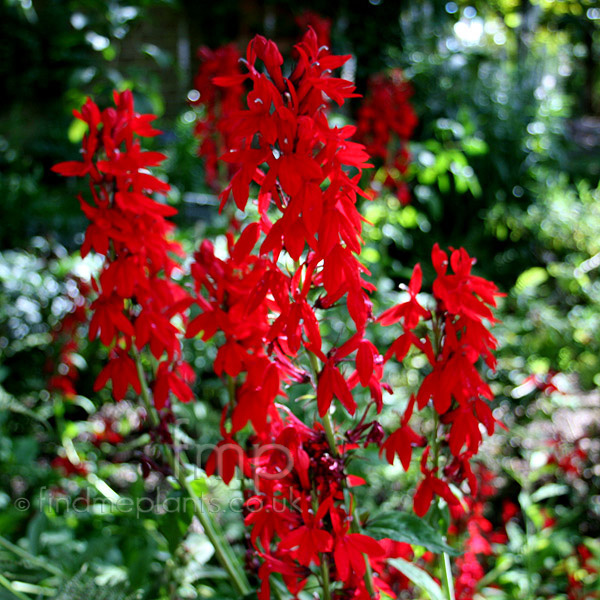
pixel 385 123
pixel 220 105
pixel 295 262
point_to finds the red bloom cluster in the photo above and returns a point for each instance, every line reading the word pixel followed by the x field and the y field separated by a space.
pixel 136 299
pixel 265 297
pixel 297 515
pixel 469 520
pixel 284 144
pixel 386 120
pixel 283 147
pixel 220 106
pixel 306 200
pixel 585 560
pixel 454 388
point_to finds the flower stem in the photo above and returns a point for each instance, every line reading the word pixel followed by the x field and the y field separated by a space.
pixel 448 581
pixel 8 585
pixel 34 560
pixel 327 425
pixel 223 551
pixel 325 577
pixel 351 507
pixel 435 443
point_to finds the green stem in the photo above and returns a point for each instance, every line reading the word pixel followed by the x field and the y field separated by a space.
pixel 327 425
pixel 435 443
pixel 8 585
pixel 235 571
pixel 325 577
pixel 448 581
pixel 231 390
pixel 314 365
pixel 223 552
pixel 38 562
pixel 351 508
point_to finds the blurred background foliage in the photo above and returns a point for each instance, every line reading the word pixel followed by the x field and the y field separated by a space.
pixel 505 161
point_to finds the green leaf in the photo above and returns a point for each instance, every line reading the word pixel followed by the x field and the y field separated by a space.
pixel 174 524
pixel 9 402
pixel 418 577
pixel 531 278
pixel 76 131
pixel 406 527
pixel 199 486
pixel 474 146
pixel 549 491
pixel 444 183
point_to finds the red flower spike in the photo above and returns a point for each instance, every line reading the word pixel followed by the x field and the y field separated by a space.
pixel 386 121
pixel 128 227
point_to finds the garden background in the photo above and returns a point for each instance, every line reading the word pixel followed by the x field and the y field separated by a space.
pixel 504 160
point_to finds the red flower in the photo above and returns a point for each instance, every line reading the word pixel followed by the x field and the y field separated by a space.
pixel 411 312
pixel 429 487
pixel 462 294
pixel 122 371
pixel 402 441
pixel 349 549
pixel 320 24
pixel 332 383
pixel 309 540
pixel 174 378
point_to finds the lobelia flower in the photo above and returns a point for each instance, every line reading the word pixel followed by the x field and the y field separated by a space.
pixel 283 146
pixel 454 386
pixel 402 441
pixel 429 486
pixel 410 312
pixel 136 300
pixel 348 548
pixel 279 142
pixel 385 123
pixel 320 24
pixel 220 105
